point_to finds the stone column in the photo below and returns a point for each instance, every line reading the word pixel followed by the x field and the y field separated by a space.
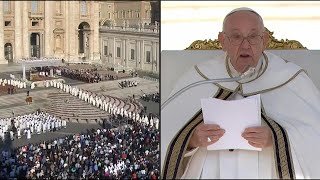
pixel 153 56
pixel 18 31
pixel 157 56
pixel 2 58
pixel 95 31
pixel 128 49
pixel 86 44
pixel 123 61
pixel 24 72
pixel 142 55
pixel 138 61
pixel 25 30
pixel 114 51
pixel 67 30
pixel 73 29
pixel 47 28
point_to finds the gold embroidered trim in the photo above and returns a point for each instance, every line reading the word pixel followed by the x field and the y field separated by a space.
pixel 284 163
pixel 304 70
pixel 266 90
pixel 170 171
pixel 206 78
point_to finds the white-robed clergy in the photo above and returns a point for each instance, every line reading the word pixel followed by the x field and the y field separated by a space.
pixel 151 122
pixel 19 132
pixel 47 84
pixel 83 96
pixel 11 135
pixel 21 85
pixel 32 85
pixel 1 133
pixel 146 120
pixel 64 123
pixel 44 125
pixel 28 133
pixel 38 127
pixel 156 121
pixel 290 112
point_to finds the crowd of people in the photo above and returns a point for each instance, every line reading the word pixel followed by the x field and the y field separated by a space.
pixel 101 101
pixel 28 124
pixel 10 86
pixel 32 59
pixel 86 75
pixel 149 120
pixel 127 83
pixel 42 71
pixel 14 82
pixel 129 152
pixel 155 97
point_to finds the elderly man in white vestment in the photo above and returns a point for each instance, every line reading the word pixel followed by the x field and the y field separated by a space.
pixel 290 128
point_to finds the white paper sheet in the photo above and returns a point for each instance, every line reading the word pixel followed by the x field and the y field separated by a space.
pixel 233 116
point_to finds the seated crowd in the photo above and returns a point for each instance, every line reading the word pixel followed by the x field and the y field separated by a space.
pixel 129 152
pixel 34 123
pixel 127 83
pixel 151 97
pixel 30 59
pixel 86 75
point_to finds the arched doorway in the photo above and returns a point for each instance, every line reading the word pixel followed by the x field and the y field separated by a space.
pixel 84 40
pixel 35 45
pixel 8 52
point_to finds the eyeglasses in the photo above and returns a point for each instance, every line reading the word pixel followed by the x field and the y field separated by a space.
pixel 237 39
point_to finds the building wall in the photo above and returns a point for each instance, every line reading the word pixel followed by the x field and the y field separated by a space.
pixel 129 40
pixel 56 22
pixel 133 12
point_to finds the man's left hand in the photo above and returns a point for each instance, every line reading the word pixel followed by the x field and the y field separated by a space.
pixel 259 137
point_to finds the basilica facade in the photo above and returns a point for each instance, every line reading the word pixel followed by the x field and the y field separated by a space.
pixel 80 31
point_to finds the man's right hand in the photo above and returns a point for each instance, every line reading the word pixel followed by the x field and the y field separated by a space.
pixel 202 133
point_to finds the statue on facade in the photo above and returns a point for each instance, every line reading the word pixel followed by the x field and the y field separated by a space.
pixel 124 24
pixel 87 41
pixel 114 23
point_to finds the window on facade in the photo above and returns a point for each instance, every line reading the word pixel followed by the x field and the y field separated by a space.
pixel 34 6
pixel 118 52
pixel 58 8
pixel 106 50
pixel 83 8
pixel 7 23
pixel 138 15
pixel 123 14
pixel 132 54
pixel 35 23
pixel 109 14
pixel 6 6
pixel 148 54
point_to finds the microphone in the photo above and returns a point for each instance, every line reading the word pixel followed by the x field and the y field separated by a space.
pixel 248 73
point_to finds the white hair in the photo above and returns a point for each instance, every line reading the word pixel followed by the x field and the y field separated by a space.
pixel 241 9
